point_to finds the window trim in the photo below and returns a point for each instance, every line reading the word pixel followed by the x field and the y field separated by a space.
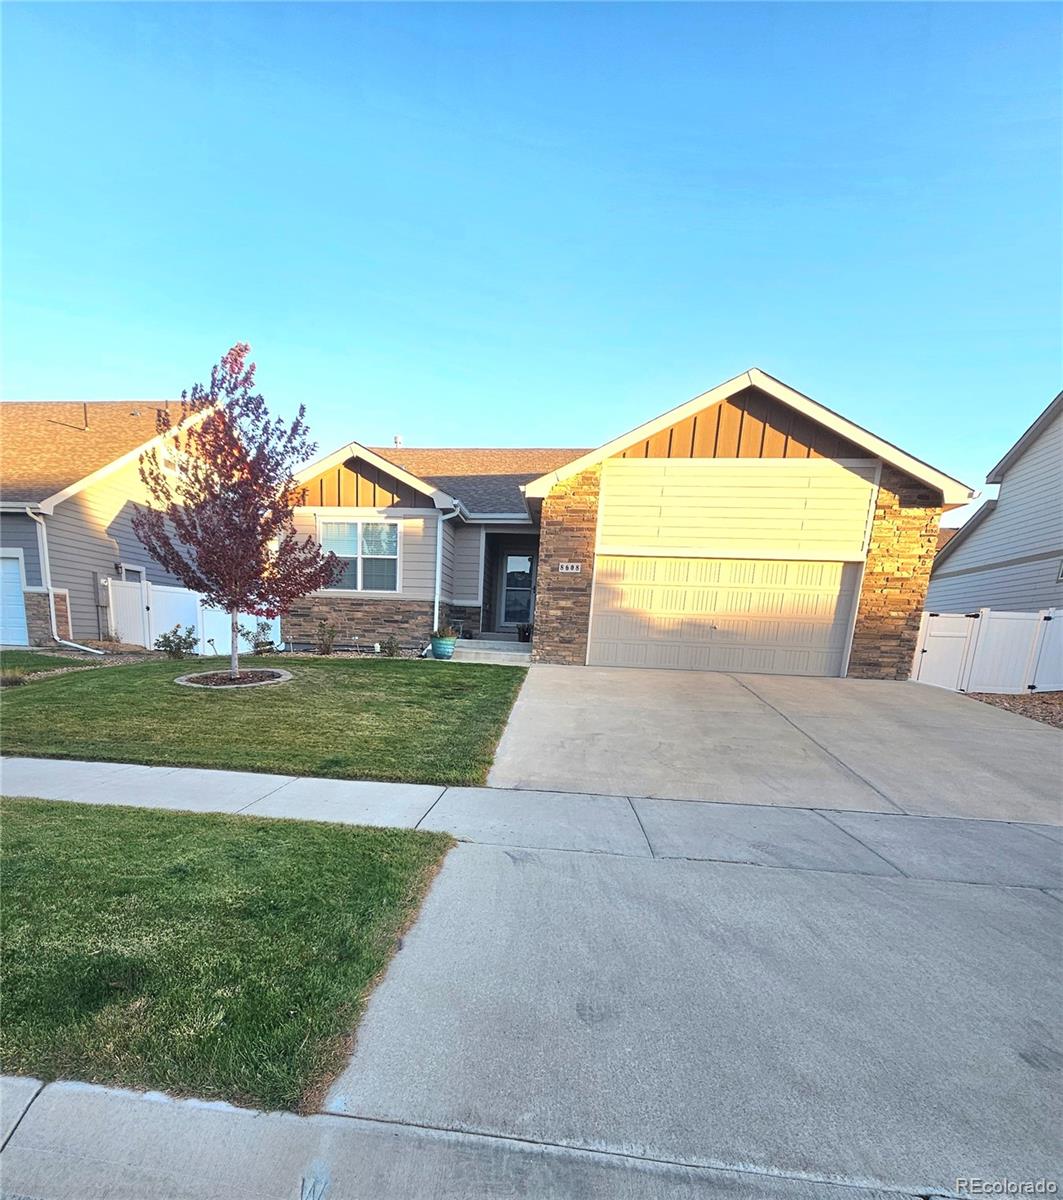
pixel 123 567
pixel 360 519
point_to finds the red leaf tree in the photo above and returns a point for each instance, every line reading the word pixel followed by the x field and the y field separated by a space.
pixel 222 491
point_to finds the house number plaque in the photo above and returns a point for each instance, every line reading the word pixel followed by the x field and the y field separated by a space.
pixel 570 568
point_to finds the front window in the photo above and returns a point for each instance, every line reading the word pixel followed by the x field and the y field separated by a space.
pixel 368 551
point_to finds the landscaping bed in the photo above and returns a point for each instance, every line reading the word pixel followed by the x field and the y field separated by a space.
pixel 353 718
pixel 223 957
pixel 1046 707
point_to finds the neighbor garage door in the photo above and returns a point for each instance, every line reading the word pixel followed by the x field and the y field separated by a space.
pixel 12 605
pixel 730 565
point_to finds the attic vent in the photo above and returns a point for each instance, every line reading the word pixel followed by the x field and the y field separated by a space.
pixel 134 412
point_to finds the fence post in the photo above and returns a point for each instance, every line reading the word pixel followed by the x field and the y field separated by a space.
pixel 917 658
pixel 147 615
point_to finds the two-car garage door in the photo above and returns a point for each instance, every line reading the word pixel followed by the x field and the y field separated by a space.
pixel 731 565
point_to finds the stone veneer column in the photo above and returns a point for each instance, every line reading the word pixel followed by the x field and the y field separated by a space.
pixel 62 615
pixel 38 619
pixel 563 602
pixel 903 545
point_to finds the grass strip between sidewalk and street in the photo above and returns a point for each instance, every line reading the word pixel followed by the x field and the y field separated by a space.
pixel 222 957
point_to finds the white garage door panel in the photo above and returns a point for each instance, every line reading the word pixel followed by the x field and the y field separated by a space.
pixel 784 617
pixel 812 509
pixel 13 630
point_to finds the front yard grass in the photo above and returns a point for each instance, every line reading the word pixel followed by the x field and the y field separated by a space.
pixel 223 957
pixel 390 719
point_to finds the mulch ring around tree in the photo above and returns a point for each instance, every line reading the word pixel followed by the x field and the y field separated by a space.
pixel 222 679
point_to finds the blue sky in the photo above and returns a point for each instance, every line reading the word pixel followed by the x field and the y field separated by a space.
pixel 540 224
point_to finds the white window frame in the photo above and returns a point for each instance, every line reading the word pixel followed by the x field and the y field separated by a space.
pixel 361 519
pixel 123 567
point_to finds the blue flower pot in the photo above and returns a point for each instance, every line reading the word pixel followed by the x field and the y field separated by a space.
pixel 443 647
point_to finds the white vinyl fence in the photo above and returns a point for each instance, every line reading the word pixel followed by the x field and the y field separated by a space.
pixel 139 612
pixel 989 651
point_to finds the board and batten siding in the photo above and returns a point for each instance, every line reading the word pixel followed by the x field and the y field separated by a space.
pixel 89 533
pixel 750 424
pixel 19 532
pixel 1012 560
pixel 358 484
pixel 812 509
pixel 417 545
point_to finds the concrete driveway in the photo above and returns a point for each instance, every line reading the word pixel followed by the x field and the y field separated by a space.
pixel 862 745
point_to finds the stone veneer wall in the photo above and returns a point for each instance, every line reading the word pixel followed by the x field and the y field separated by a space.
pixel 899 558
pixel 359 621
pixel 38 619
pixel 563 602
pixel 62 615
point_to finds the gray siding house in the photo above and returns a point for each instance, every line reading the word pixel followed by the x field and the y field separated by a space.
pixel 1009 555
pixel 69 484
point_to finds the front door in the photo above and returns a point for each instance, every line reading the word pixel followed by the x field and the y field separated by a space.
pixel 518 591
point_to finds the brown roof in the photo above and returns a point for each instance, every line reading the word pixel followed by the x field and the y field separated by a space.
pixel 945 536
pixel 46 446
pixel 485 481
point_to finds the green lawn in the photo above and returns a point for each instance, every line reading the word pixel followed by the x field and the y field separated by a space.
pixel 224 957
pixel 33 660
pixel 395 719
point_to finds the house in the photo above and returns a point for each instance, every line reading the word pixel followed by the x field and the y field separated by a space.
pixel 68 483
pixel 751 529
pixel 1009 555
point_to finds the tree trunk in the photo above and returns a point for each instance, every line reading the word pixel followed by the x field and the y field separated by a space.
pixel 234 652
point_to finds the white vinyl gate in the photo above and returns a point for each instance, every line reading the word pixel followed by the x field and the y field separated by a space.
pixel 139 612
pixel 989 651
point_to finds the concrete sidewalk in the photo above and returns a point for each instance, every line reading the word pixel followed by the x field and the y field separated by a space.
pixel 78 1142
pixel 819 839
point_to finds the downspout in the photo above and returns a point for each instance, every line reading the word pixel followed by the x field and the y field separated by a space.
pixel 46 579
pixel 439 564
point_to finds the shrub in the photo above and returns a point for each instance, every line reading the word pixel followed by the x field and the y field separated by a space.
pixel 390 647
pixel 12 677
pixel 325 637
pixel 177 644
pixel 260 638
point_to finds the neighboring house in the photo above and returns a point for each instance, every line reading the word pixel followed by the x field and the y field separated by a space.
pixel 1009 555
pixel 749 530
pixel 68 483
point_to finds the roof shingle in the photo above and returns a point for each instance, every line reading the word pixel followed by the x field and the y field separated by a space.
pixel 46 446
pixel 484 480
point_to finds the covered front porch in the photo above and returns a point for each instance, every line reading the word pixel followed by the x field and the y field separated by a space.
pixel 500 629
pixel 509 564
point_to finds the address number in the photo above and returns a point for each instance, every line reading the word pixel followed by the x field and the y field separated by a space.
pixel 570 568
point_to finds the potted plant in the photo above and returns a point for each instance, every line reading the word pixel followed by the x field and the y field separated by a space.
pixel 443 640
